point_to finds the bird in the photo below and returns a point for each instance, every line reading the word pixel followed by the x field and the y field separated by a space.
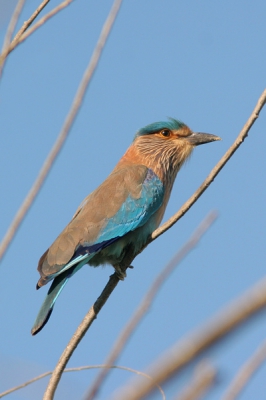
pixel 121 214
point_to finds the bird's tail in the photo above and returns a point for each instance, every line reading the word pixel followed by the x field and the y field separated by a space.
pixel 54 291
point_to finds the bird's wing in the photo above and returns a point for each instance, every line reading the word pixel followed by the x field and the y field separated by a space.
pixel 136 209
pixel 124 202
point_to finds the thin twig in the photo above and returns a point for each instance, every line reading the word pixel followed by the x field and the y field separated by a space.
pixel 37 378
pixel 49 393
pixel 147 301
pixel 27 23
pixel 245 373
pixel 204 377
pixel 26 34
pixel 210 178
pixel 10 30
pixel 20 215
pixel 195 342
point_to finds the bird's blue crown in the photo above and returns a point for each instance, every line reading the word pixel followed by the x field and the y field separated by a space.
pixel 172 124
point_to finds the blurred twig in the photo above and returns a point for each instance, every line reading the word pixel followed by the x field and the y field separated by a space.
pixel 210 178
pixel 245 373
pixel 147 301
pixel 195 342
pixel 10 30
pixel 76 369
pixel 21 213
pixel 204 377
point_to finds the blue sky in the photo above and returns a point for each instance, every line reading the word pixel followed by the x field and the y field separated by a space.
pixel 201 62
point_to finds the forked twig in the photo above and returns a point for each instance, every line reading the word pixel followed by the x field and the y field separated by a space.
pixel 25 31
pixel 28 23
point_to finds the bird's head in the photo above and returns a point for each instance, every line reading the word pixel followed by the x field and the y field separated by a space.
pixel 167 145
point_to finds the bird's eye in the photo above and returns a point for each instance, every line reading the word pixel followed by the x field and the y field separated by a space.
pixel 165 132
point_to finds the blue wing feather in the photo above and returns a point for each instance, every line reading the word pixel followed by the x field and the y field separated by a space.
pixel 132 214
pixel 135 212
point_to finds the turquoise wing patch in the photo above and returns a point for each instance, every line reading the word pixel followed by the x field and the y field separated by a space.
pixel 135 212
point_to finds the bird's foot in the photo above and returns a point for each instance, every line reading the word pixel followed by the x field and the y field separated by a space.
pixel 120 274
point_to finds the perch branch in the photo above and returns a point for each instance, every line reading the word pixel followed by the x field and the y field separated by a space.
pixel 147 301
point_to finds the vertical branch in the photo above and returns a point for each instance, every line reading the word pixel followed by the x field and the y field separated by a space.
pixel 77 102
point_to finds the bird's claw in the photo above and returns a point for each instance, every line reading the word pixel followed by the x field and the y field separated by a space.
pixel 120 274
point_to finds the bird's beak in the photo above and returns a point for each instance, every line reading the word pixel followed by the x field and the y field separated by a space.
pixel 197 138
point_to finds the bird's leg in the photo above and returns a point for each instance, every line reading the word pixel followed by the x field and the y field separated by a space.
pixel 120 268
pixel 120 274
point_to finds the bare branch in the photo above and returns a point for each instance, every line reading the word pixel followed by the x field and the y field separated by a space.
pixel 20 37
pixel 147 301
pixel 27 23
pixel 10 30
pixel 76 369
pixel 245 373
pixel 194 343
pixel 41 21
pixel 65 129
pixel 210 178
pixel 204 377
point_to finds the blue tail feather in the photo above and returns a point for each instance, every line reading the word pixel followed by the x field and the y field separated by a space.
pixel 47 307
pixel 60 278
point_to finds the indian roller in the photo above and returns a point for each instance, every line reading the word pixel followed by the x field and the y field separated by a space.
pixel 121 214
